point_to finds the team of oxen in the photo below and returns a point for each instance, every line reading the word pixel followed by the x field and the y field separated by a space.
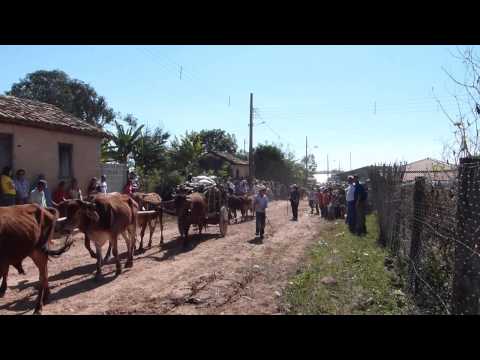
pixel 28 230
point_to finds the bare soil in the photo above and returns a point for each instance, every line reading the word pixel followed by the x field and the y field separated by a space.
pixel 212 275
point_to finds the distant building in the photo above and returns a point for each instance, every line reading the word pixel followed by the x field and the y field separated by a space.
pixel 43 139
pixel 214 160
pixel 361 172
pixel 435 170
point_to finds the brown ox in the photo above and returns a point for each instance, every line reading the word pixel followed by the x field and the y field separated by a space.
pixel 25 231
pixel 191 209
pixel 250 205
pixel 146 202
pixel 102 220
pixel 149 202
pixel 236 202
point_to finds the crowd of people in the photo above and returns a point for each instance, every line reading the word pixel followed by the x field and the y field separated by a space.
pixel 336 202
pixel 17 190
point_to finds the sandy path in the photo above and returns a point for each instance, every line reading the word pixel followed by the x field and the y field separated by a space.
pixel 231 275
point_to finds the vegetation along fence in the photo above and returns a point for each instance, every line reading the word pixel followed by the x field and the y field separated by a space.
pixel 430 222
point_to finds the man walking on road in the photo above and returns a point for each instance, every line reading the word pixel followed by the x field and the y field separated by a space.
pixel 294 200
pixel 261 204
pixel 350 197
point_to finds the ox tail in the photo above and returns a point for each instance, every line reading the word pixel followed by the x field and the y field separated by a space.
pixel 48 220
pixel 57 252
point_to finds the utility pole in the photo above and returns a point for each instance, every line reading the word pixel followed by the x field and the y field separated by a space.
pixel 250 147
pixel 350 161
pixel 244 146
pixel 181 70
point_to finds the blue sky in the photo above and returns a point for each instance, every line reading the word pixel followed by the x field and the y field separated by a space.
pixel 327 93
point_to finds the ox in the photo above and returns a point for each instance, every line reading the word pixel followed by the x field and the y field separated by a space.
pixel 26 231
pixel 235 203
pixel 149 202
pixel 191 209
pixel 250 205
pixel 103 220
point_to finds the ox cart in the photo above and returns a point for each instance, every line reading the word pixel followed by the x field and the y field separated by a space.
pixel 213 209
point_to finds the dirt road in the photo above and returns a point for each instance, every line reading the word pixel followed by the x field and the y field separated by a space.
pixel 214 275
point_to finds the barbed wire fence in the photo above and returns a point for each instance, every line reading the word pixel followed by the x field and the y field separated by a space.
pixel 430 223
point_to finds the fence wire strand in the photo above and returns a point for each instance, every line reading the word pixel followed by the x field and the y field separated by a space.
pixel 428 220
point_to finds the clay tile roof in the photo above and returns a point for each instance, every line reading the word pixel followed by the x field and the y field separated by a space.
pixel 229 157
pixel 42 115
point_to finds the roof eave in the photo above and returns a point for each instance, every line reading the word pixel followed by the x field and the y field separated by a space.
pixel 55 127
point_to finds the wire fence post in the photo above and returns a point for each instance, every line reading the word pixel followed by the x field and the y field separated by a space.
pixel 417 226
pixel 466 280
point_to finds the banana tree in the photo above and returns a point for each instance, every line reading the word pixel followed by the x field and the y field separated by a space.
pixel 123 143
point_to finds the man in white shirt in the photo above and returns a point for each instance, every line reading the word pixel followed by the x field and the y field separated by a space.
pixel 103 185
pixel 261 204
pixel 37 195
pixel 350 197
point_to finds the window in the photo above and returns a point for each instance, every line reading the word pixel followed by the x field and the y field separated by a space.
pixel 65 161
pixel 6 144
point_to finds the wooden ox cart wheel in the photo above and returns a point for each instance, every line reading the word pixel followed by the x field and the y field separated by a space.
pixel 223 223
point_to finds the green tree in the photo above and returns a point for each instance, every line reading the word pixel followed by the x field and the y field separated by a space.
pixel 311 163
pixel 186 152
pixel 71 95
pixel 123 143
pixel 270 164
pixel 150 152
pixel 218 140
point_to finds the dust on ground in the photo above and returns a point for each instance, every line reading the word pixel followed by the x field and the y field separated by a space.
pixel 212 275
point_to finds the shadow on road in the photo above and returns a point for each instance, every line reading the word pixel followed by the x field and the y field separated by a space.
pixel 256 241
pixel 175 247
pixel 28 302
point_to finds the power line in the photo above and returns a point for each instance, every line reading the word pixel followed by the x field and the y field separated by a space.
pixel 178 69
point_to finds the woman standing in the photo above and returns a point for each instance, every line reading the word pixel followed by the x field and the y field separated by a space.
pixel 74 192
pixel 22 187
pixel 92 187
pixel 8 191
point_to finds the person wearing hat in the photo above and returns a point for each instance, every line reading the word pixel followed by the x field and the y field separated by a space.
pixel 294 201
pixel 261 204
pixel 46 190
pixel 37 196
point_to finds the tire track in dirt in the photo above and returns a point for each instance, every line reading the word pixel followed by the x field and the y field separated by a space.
pixel 213 275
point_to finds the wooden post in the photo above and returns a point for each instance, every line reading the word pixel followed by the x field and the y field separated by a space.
pixel 417 226
pixel 466 281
